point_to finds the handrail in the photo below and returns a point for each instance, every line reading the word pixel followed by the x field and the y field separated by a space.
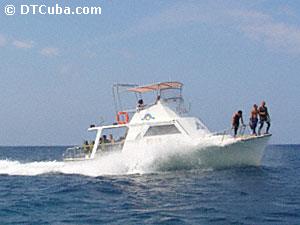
pixel 241 131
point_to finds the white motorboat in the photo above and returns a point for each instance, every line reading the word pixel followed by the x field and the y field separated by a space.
pixel 163 128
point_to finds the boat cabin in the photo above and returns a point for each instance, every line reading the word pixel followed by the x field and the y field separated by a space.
pixel 160 115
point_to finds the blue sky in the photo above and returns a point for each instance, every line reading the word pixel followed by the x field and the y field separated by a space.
pixel 56 72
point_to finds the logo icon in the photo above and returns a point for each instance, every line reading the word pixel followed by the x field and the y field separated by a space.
pixel 9 10
pixel 148 116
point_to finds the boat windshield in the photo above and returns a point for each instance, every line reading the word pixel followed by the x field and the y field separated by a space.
pixel 168 94
pixel 123 99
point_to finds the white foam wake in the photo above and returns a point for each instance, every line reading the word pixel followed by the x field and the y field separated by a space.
pixel 111 164
pixel 106 165
pixel 143 160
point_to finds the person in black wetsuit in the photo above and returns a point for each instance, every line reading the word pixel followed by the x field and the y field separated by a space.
pixel 237 117
pixel 263 117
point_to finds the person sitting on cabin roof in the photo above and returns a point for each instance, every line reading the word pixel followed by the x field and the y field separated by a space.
pixel 140 105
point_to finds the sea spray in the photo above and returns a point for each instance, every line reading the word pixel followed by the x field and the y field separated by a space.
pixel 29 169
pixel 169 154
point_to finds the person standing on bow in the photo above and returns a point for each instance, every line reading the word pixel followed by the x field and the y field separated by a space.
pixel 253 119
pixel 264 117
pixel 237 117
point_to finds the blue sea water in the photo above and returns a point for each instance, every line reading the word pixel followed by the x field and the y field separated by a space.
pixel 35 190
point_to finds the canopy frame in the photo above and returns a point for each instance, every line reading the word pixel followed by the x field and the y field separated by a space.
pixel 157 87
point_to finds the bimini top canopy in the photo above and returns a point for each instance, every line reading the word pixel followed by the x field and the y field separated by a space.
pixel 157 87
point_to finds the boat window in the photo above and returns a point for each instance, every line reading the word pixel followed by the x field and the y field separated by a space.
pixel 112 139
pixel 162 130
pixel 112 135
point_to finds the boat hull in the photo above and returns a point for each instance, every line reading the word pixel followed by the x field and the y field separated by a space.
pixel 163 156
pixel 245 151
